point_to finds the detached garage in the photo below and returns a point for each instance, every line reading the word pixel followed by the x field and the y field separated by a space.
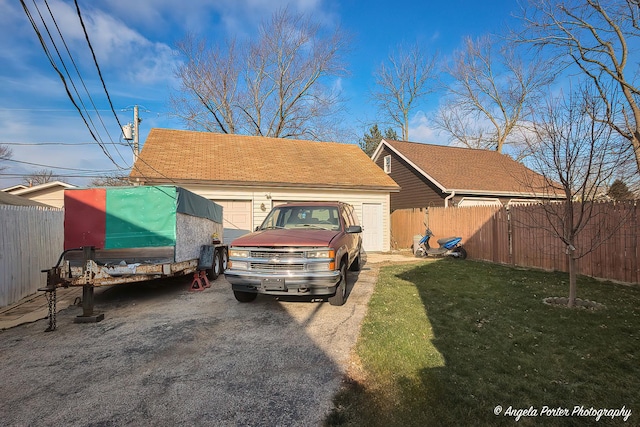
pixel 248 175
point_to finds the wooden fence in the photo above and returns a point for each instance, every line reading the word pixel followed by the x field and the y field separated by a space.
pixel 31 239
pixel 520 235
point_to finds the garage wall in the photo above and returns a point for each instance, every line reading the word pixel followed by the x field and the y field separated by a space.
pixel 262 199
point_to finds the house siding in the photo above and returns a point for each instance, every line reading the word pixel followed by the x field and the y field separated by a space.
pixel 416 191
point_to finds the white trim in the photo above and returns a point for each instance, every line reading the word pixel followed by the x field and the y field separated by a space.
pixel 376 155
pixel 44 186
pixel 426 175
pixel 14 188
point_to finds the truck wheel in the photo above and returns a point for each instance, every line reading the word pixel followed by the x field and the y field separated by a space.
pixel 356 265
pixel 216 269
pixel 244 296
pixel 341 290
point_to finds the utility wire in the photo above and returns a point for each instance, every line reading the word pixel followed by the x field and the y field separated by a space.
pixel 62 78
pixel 59 167
pixel 44 143
pixel 79 76
pixel 64 82
pixel 95 60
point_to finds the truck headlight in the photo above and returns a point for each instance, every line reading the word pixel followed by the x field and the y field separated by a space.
pixel 321 266
pixel 238 265
pixel 322 253
pixel 238 253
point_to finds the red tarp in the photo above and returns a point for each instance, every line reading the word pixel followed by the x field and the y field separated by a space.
pixel 85 218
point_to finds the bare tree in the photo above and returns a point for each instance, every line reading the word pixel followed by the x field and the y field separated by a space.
pixel 278 85
pixel 599 38
pixel 491 94
pixel 402 82
pixel 5 154
pixel 41 176
pixel 573 150
pixel 114 180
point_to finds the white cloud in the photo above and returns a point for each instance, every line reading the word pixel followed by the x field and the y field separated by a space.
pixel 421 131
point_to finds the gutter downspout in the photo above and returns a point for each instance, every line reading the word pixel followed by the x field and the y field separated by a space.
pixel 449 197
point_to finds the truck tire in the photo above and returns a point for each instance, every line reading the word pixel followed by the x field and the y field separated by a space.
pixel 356 265
pixel 341 290
pixel 245 296
pixel 216 269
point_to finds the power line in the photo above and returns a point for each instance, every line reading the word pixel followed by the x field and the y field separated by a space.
pixel 56 143
pixel 69 94
pixel 81 79
pixel 55 67
pixel 95 60
pixel 25 175
pixel 58 167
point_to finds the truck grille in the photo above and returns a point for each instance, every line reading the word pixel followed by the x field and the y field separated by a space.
pixel 276 254
pixel 276 267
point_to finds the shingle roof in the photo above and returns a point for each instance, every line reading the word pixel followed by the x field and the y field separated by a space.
pixel 205 157
pixel 471 170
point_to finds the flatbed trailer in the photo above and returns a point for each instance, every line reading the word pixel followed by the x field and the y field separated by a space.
pixel 132 234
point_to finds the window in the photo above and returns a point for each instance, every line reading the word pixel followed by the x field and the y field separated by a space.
pixel 387 164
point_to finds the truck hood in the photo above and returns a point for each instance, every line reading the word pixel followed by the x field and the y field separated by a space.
pixel 290 237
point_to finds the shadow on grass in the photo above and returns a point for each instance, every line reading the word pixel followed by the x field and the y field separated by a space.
pixel 500 346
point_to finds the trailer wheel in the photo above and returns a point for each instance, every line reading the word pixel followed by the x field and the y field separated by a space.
pixel 216 269
pixel 224 256
pixel 245 296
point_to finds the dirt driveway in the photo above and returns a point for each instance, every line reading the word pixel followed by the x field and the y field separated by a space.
pixel 166 356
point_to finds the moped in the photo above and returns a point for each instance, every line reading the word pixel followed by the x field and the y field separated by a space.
pixel 449 246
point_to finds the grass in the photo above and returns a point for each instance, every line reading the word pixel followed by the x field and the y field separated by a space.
pixel 444 342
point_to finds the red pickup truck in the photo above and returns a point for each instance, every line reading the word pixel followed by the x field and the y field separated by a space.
pixel 300 249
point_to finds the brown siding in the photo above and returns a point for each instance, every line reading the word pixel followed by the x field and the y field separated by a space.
pixel 415 190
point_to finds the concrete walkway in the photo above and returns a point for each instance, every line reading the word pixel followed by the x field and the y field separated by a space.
pixel 35 307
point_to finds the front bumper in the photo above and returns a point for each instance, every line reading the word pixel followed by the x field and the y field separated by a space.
pixel 316 283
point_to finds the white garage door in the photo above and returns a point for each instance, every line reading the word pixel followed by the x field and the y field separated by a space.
pixel 237 218
pixel 372 227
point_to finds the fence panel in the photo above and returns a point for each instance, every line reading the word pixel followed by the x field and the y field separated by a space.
pixel 479 226
pixel 406 223
pixel 31 239
pixel 521 235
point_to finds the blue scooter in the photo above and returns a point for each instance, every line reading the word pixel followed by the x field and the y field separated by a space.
pixel 449 246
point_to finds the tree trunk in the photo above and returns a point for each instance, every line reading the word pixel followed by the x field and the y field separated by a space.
pixel 572 278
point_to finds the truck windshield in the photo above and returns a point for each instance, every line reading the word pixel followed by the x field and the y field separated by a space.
pixel 322 217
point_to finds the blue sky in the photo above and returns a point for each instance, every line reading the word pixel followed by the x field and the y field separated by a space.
pixel 135 46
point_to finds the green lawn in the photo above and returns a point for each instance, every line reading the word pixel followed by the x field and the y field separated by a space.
pixel 445 342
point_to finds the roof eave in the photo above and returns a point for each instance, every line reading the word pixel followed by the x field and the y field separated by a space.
pixel 250 184
pixel 504 193
pixel 413 165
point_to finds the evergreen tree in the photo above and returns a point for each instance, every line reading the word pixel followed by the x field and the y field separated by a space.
pixel 619 191
pixel 371 139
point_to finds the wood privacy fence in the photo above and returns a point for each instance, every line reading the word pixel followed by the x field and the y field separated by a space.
pixel 520 235
pixel 31 239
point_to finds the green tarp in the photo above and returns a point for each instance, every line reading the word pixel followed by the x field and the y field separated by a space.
pixel 145 216
pixel 140 217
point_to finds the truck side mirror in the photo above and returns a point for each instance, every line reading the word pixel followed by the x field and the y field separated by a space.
pixel 354 229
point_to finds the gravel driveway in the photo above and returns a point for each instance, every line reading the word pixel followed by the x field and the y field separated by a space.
pixel 167 356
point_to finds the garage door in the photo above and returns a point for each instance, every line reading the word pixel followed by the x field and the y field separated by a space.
pixel 372 227
pixel 237 218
